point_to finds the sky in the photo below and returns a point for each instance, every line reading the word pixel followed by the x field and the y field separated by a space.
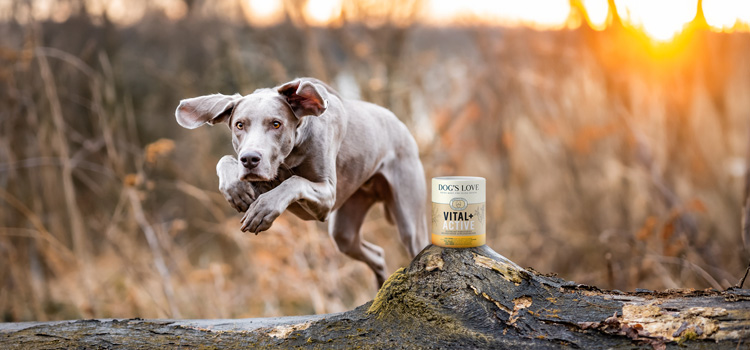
pixel 661 20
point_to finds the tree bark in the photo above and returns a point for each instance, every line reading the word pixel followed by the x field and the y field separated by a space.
pixel 446 299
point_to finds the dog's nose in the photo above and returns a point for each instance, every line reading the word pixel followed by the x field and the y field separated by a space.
pixel 250 159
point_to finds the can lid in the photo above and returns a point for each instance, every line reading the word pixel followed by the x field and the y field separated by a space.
pixel 459 178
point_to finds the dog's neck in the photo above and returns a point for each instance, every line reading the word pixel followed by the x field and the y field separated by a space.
pixel 302 140
pixel 302 134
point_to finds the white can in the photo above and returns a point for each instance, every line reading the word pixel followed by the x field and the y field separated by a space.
pixel 458 211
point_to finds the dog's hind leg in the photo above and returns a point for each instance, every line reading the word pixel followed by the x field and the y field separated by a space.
pixel 345 226
pixel 406 203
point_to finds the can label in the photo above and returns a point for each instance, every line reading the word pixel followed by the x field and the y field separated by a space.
pixel 458 211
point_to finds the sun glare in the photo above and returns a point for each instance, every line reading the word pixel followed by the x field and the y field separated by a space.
pixel 597 12
pixel 726 15
pixel 263 12
pixel 540 14
pixel 322 12
pixel 662 20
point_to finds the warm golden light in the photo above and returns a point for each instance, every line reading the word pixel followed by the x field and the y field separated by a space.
pixel 125 12
pixel 540 14
pixel 322 12
pixel 122 12
pixel 597 12
pixel 662 20
pixel 263 12
pixel 726 15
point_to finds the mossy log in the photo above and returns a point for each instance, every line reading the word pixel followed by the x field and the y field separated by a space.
pixel 446 299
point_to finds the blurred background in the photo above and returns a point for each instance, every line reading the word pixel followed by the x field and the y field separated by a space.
pixel 613 136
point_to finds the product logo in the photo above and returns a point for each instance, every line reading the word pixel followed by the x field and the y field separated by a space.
pixel 456 188
pixel 458 203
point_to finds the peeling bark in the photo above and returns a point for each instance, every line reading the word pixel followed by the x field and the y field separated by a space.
pixel 446 299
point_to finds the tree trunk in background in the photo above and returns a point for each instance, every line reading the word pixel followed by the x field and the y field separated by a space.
pixel 446 299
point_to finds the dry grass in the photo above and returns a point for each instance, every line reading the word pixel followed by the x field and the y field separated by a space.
pixel 609 161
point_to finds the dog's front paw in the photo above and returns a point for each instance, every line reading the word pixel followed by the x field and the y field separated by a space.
pixel 239 194
pixel 261 214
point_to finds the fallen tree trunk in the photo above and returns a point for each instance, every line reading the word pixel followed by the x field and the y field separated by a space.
pixel 446 299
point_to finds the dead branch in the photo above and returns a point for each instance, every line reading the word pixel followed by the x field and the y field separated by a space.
pixel 446 299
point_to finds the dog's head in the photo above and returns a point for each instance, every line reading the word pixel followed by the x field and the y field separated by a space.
pixel 264 124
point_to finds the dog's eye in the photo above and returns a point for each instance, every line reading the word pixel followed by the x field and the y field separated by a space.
pixel 240 125
pixel 276 124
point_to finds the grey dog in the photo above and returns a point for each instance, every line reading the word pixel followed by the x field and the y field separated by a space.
pixel 302 147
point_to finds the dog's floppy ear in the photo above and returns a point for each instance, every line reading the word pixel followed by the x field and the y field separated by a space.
pixel 211 109
pixel 305 98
